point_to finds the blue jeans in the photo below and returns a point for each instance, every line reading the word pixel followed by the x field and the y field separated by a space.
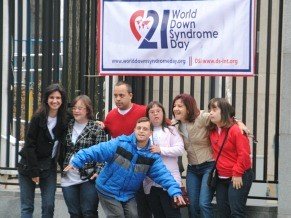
pixel 231 202
pixel 27 193
pixel 82 199
pixel 200 195
pixel 114 208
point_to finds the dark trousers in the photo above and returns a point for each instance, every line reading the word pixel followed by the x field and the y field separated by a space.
pixel 161 204
pixel 231 202
pixel 143 207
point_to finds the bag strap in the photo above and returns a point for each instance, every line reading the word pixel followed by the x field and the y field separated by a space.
pixel 221 148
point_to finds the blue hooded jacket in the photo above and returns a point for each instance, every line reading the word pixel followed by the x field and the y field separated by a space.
pixel 126 168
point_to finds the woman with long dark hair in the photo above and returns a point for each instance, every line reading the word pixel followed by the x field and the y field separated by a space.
pixel 39 154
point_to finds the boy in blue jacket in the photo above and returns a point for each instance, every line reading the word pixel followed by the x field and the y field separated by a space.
pixel 128 161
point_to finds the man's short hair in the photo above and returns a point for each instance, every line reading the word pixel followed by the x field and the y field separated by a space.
pixel 144 119
pixel 128 86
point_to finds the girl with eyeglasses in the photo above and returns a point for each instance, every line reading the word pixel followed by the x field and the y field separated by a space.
pixel 78 186
pixel 167 142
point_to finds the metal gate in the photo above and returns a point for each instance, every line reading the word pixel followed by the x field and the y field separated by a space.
pixel 43 42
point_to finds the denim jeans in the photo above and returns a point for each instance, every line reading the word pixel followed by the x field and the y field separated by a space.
pixel 27 193
pixel 231 202
pixel 161 204
pixel 114 208
pixel 200 195
pixel 82 199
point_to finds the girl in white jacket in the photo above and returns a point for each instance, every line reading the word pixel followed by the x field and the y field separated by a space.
pixel 168 143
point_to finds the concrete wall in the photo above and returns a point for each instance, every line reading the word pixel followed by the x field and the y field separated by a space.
pixel 284 209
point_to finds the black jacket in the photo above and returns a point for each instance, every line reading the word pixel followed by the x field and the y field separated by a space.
pixel 39 143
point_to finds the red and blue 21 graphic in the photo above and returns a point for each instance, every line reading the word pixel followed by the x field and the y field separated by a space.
pixel 139 22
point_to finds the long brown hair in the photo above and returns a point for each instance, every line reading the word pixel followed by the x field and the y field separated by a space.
pixel 44 107
pixel 227 112
pixel 191 106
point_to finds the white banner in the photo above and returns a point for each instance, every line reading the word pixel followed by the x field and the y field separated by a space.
pixel 214 37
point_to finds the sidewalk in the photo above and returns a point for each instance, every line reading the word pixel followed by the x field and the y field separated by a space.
pixel 10 204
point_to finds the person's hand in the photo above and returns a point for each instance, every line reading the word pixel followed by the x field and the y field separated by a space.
pixel 179 201
pixel 95 175
pixel 100 123
pixel 237 182
pixel 155 149
pixel 243 128
pixel 35 180
pixel 69 167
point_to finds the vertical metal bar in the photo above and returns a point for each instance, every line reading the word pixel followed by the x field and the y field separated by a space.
pixel 151 85
pixel 100 99
pixel 223 87
pixel 36 56
pixel 279 52
pixel 171 84
pixel 82 60
pixel 161 89
pixel 1 59
pixel 88 46
pixel 212 87
pixel 65 45
pixel 181 84
pixel 256 85
pixel 56 40
pixel 19 74
pixel 233 92
pixel 47 45
pixel 202 91
pixel 267 89
pixel 244 104
pixel 192 86
pixel 10 77
pixel 27 71
pixel 92 47
pixel 74 45
pixel 110 92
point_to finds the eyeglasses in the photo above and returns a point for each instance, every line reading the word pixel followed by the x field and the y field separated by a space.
pixel 155 112
pixel 78 108
pixel 142 128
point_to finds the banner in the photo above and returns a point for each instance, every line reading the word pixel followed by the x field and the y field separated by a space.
pixel 212 37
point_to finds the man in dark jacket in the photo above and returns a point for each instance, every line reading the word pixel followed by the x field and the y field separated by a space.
pixel 129 161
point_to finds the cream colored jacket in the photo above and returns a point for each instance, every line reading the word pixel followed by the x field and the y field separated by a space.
pixel 197 145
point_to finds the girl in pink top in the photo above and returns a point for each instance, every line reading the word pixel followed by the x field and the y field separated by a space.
pixel 167 142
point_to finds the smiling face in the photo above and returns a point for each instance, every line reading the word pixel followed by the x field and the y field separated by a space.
pixel 54 101
pixel 142 133
pixel 122 97
pixel 156 115
pixel 180 111
pixel 80 112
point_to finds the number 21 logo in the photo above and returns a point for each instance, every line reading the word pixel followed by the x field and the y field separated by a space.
pixel 139 22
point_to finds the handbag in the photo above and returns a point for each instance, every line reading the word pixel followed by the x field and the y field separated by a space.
pixel 185 198
pixel 213 175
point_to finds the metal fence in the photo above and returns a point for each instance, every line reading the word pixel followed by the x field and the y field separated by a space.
pixel 55 41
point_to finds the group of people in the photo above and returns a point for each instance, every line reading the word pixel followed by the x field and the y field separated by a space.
pixel 136 173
